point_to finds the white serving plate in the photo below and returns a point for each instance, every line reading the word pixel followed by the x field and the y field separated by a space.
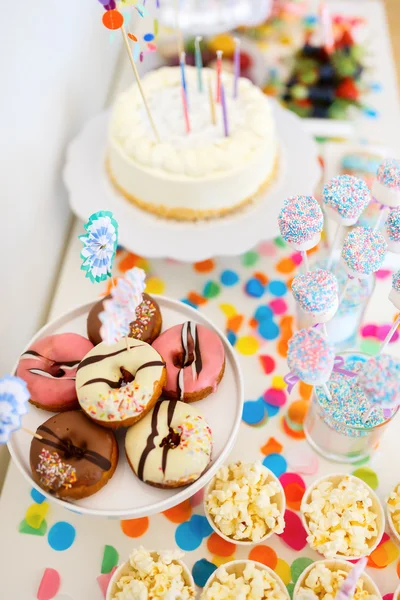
pixel 125 495
pixel 148 235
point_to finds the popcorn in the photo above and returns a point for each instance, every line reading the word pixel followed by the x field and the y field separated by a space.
pixel 340 518
pixel 243 502
pixel 393 503
pixel 152 577
pixel 253 584
pixel 324 581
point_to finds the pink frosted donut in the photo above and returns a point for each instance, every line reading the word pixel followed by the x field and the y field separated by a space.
pixel 195 361
pixel 49 369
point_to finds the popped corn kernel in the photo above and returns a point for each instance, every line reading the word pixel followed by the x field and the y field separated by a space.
pixel 340 518
pixel 252 584
pixel 393 503
pixel 324 581
pixel 243 502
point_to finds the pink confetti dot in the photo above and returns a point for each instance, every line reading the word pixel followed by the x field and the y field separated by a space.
pixel 267 249
pixel 197 498
pixel 297 258
pixel 383 330
pixel 388 597
pixel 288 478
pixel 278 306
pixel 275 397
pixel 369 330
pixel 268 363
pixel 104 580
pixel 294 535
pixel 383 274
pixel 49 585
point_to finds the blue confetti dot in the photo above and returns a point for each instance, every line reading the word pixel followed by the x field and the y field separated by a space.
pixel 254 288
pixel 202 570
pixel 277 288
pixel 253 411
pixel 190 534
pixel 186 301
pixel 263 313
pixel 61 536
pixel 232 337
pixel 37 496
pixel 275 463
pixel 229 277
pixel 148 37
pixel 271 410
pixel 200 526
pixel 268 330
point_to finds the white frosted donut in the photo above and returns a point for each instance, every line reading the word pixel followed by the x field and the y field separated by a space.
pixel 171 447
pixel 117 385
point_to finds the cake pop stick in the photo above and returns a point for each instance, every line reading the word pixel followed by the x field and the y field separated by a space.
pixel 317 295
pixel 392 230
pixel 386 187
pixel 394 297
pixel 344 197
pixel 379 378
pixel 300 223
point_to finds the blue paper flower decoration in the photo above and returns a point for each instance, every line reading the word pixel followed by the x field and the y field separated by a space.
pixel 99 245
pixel 14 396
pixel 114 322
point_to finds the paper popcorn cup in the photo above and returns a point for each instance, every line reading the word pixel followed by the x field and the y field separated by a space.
pixel 279 499
pixel 334 565
pixel 376 507
pixel 237 567
pixel 396 595
pixel 392 526
pixel 125 568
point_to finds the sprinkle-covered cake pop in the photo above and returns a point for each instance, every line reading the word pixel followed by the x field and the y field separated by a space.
pixel 379 378
pixel 392 230
pixel 386 187
pixel 317 294
pixel 310 356
pixel 345 197
pixel 301 222
pixel 363 252
pixel 394 295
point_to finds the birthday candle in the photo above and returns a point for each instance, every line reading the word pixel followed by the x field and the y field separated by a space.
pixel 224 111
pixel 199 62
pixel 236 60
pixel 327 27
pixel 219 71
pixel 183 73
pixel 185 110
pixel 212 105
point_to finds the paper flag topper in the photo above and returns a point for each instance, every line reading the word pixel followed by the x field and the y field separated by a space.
pixel 99 245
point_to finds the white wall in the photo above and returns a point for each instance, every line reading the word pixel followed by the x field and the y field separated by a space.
pixel 56 66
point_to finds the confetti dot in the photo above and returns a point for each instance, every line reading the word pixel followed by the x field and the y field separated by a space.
pixel 290 589
pixel 229 277
pixel 296 414
pixel 231 337
pixel 148 37
pixel 367 475
pixel 265 555
pixel 285 266
pixel 128 262
pixel 200 526
pixel 217 545
pixel 263 313
pixel 278 306
pixel 113 19
pixel 268 330
pixel 221 560
pixel 294 494
pixel 267 249
pixel 370 346
pixel 297 258
pixel 254 288
pixel 180 513
pixel 134 528
pixel 205 266
pixel 369 330
pixel 110 559
pixel 235 323
pixel 188 302
pixel 383 330
pixel 197 498
pixel 283 570
pixel 294 534
pixel 289 478
pixel 275 463
pixel 277 288
pixel 196 299
pixel 262 278
pixel 250 258
pixel 379 558
pixel 61 536
pixel 228 309
pixel 211 289
pixel 35 514
pixel 271 410
pixel 275 397
pixel 25 528
pixel 132 37
pixel 202 570
pixel 155 285
pixel 103 581
pixel 282 348
pixel 253 412
pixel 298 566
pixel 279 242
pixel 267 363
pixel 278 383
pixel 305 390
pixel 37 496
pixel 190 534
pixel 297 435
pixel 388 596
pixel 271 447
pixel 49 585
pixel 247 345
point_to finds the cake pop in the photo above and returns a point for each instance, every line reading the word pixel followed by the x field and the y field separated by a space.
pixel 317 294
pixel 345 197
pixel 379 378
pixel 310 358
pixel 394 297
pixel 386 187
pixel 392 230
pixel 363 252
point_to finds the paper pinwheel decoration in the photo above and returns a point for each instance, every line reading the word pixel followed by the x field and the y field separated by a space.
pixel 99 246
pixel 14 396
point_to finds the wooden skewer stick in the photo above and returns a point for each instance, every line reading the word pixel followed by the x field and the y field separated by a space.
pixel 135 72
pixel 32 433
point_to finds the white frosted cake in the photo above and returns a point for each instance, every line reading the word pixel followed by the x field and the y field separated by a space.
pixel 200 174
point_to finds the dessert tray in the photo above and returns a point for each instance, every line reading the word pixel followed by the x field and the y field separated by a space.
pixel 152 236
pixel 125 495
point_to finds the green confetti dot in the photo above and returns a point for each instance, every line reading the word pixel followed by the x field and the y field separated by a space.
pixel 110 559
pixel 250 258
pixel 362 461
pixel 211 289
pixel 25 528
pixel 280 242
pixel 290 589
pixel 298 566
pixel 370 346
pixel 367 475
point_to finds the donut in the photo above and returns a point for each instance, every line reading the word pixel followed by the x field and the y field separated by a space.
pixel 75 457
pixel 117 385
pixel 146 326
pixel 49 369
pixel 171 447
pixel 195 361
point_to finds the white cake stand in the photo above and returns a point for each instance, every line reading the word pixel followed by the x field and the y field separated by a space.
pixel 148 235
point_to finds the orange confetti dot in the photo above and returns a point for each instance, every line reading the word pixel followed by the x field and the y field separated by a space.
pixel 282 348
pixel 110 284
pixel 265 555
pixel 128 262
pixel 135 527
pixel 196 298
pixel 253 323
pixel 205 266
pixel 398 569
pixel 180 513
pixel 132 37
pixel 262 278
pixel 305 390
pixel 235 323
pixel 294 494
pixel 378 558
pixel 297 411
pixel 286 265
pixel 286 321
pixel 297 435
pixel 271 447
pixel 220 547
pixel 113 19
